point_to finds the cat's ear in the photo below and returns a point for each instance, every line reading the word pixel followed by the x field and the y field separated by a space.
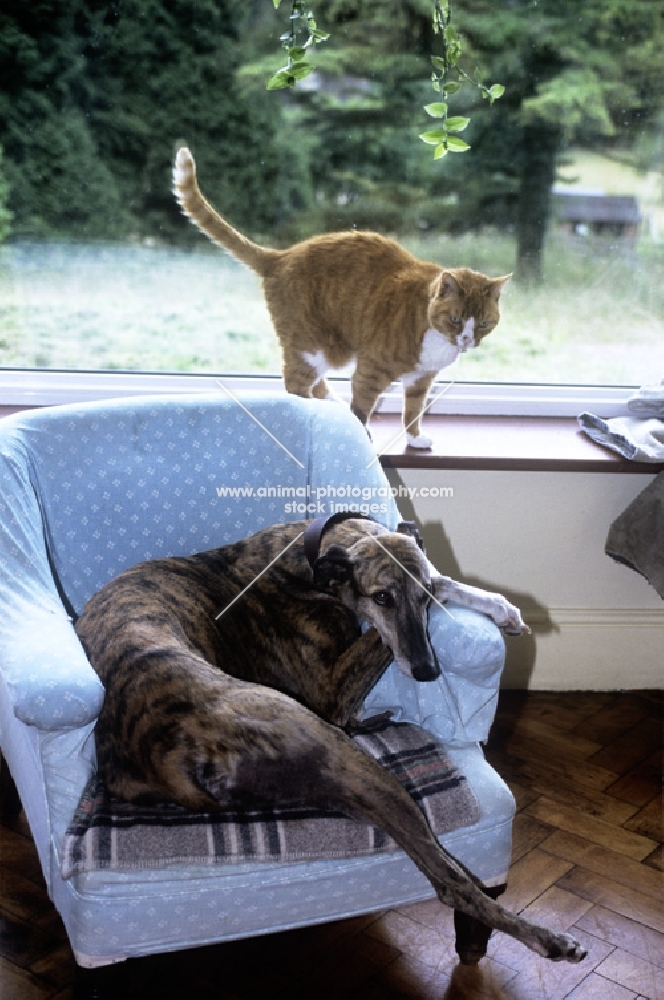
pixel 446 285
pixel 497 285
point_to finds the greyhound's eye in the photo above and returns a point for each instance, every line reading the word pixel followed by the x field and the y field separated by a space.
pixel 383 598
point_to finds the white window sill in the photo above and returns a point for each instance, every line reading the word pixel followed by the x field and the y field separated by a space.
pixel 473 425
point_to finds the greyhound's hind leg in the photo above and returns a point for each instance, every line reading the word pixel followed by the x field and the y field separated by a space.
pixel 284 753
pixel 360 787
pixel 472 936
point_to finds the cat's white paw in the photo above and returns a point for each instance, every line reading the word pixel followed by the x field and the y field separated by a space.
pixel 419 441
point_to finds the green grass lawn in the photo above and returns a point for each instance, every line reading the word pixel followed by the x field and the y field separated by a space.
pixel 131 308
pixel 599 317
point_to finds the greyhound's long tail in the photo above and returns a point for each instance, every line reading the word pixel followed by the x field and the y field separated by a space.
pixel 202 214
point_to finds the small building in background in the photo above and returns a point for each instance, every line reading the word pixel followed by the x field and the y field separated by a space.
pixel 612 216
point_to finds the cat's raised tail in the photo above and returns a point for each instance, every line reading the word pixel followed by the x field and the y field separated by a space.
pixel 202 214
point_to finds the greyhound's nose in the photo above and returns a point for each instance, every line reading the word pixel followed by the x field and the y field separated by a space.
pixel 426 671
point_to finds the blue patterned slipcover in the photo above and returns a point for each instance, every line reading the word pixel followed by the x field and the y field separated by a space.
pixel 87 491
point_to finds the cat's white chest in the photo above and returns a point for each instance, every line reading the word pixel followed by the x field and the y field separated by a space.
pixel 436 353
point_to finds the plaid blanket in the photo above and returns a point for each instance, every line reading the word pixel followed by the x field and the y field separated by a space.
pixel 106 833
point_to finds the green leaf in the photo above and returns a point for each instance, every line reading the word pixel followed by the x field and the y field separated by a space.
pixel 451 34
pixel 496 91
pixel 301 69
pixel 453 53
pixel 450 88
pixel 438 62
pixel 434 136
pixel 456 145
pixel 437 110
pixel 457 124
pixel 440 151
pixel 281 79
pixel 297 53
pixel 276 4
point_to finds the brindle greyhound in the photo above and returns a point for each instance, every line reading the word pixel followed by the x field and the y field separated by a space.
pixel 229 677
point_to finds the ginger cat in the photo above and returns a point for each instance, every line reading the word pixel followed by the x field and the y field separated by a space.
pixel 357 296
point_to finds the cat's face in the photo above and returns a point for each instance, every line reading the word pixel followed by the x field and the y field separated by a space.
pixel 464 305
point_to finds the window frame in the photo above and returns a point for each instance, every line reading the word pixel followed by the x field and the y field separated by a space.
pixel 38 387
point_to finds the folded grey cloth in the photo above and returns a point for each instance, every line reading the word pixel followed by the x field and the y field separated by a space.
pixel 640 440
pixel 648 401
pixel 636 537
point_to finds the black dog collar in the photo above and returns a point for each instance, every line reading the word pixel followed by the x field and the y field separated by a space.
pixel 316 529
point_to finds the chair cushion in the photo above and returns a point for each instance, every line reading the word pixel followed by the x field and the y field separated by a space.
pixel 106 833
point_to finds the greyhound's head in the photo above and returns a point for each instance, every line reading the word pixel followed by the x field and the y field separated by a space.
pixel 384 578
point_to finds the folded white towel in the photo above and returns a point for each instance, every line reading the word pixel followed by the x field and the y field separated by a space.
pixel 648 401
pixel 632 437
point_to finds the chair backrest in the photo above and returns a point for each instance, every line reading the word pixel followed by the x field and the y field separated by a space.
pixel 127 480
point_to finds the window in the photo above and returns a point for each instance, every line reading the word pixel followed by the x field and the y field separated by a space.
pixel 562 184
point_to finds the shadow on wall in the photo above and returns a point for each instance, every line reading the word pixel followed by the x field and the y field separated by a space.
pixel 520 652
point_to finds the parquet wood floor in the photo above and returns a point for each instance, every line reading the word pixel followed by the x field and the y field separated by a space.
pixel 586 770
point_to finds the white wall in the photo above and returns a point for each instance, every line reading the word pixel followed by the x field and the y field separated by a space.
pixel 538 537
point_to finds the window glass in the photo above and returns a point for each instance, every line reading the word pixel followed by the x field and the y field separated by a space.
pixel 562 183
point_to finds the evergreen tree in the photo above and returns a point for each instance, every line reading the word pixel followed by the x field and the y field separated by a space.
pixel 574 71
pixel 586 71
pixel 57 179
pixel 355 117
pixel 94 96
pixel 5 214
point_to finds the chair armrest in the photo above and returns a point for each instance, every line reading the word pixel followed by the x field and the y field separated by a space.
pixel 460 705
pixel 50 682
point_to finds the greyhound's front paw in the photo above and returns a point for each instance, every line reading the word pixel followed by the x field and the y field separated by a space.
pixel 508 618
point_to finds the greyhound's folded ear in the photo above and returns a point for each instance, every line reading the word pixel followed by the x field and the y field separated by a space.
pixel 410 528
pixel 332 568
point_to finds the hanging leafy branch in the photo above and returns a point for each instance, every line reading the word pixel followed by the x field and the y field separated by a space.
pixel 443 137
pixel 303 35
pixel 447 76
